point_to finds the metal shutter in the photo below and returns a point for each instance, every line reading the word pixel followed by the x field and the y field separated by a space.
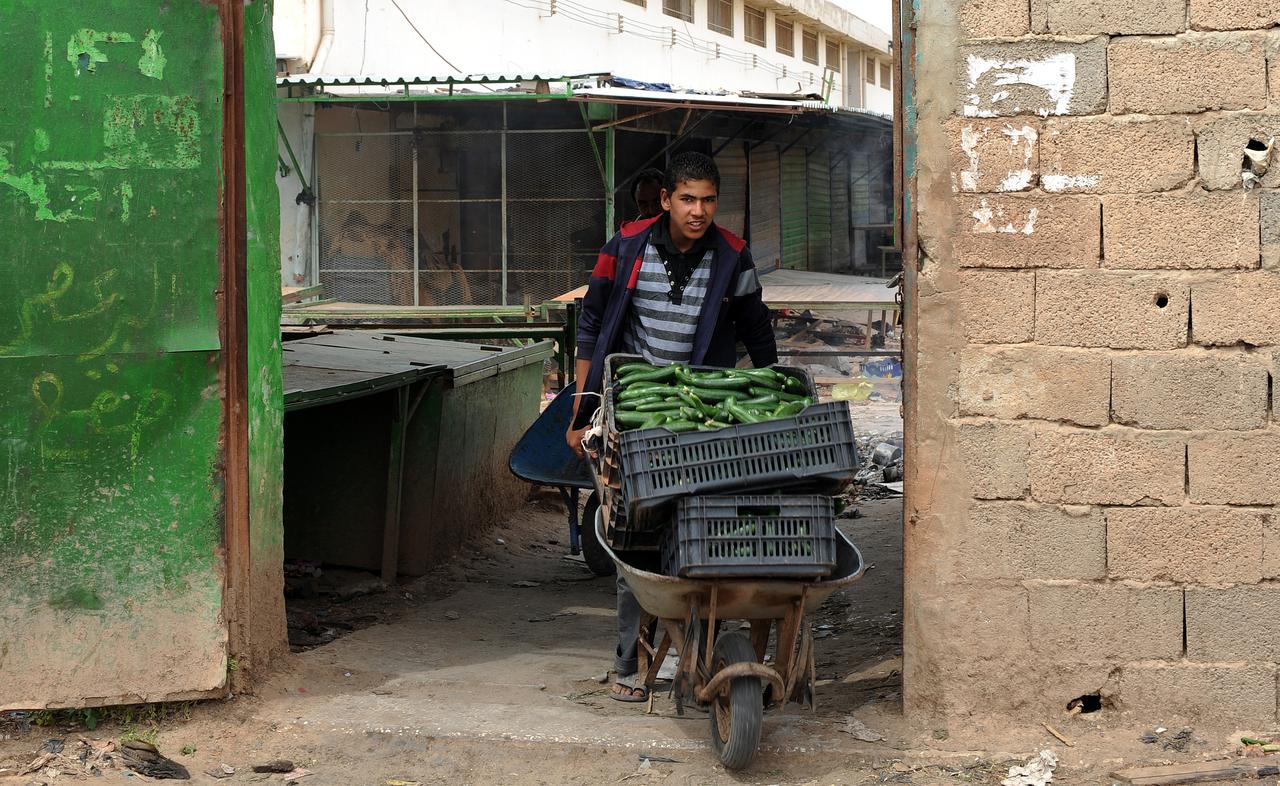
pixel 732 213
pixel 795 225
pixel 841 256
pixel 818 199
pixel 765 229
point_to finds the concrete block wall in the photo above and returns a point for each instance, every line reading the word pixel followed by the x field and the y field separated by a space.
pixel 1096 456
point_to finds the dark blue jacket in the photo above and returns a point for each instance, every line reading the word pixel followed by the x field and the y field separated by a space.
pixel 733 311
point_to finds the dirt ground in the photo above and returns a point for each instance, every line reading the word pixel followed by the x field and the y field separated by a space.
pixel 487 672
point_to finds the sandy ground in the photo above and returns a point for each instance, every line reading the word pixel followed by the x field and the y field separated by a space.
pixel 487 673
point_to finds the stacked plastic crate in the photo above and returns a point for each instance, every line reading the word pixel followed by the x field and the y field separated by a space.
pixel 742 500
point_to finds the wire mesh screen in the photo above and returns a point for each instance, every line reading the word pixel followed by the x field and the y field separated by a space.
pixel 555 212
pixel 365 217
pixel 484 234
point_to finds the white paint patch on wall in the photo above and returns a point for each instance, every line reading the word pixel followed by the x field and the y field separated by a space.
pixel 1015 179
pixel 1055 75
pixel 1068 182
pixel 989 220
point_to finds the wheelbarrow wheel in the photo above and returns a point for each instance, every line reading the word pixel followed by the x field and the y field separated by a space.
pixel 737 713
pixel 593 553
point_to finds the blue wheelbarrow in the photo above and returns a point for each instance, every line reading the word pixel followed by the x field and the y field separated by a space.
pixel 542 457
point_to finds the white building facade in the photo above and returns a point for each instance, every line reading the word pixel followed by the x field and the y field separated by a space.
pixel 735 46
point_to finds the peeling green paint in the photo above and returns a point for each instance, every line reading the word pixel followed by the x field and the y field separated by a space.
pixel 83 51
pixel 30 186
pixel 153 60
pixel 41 142
pixel 48 70
pixel 125 192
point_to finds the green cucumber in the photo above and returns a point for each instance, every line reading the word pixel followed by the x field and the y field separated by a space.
pixel 760 401
pixel 742 414
pixel 661 374
pixel 722 383
pixel 642 391
pixel 627 368
pixel 661 405
pixel 795 385
pixel 630 419
pixel 679 426
pixel 636 403
pixel 782 396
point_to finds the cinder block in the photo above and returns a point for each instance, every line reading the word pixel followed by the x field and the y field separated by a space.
pixel 1215 693
pixel 1195 72
pixel 994 155
pixel 1116 154
pixel 1092 622
pixel 1069 385
pixel 1233 624
pixel 1241 308
pixel 998 307
pixel 994 456
pixel 1235 469
pixel 1221 143
pixel 1112 467
pixel 980 624
pixel 1271 547
pixel 1234 14
pixel 994 18
pixel 1028 230
pixel 1189 391
pixel 1116 310
pixel 1015 540
pixel 1086 17
pixel 1034 78
pixel 1188 544
pixel 1271 228
pixel 1182 231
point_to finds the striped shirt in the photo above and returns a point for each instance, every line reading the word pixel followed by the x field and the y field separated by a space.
pixel 659 330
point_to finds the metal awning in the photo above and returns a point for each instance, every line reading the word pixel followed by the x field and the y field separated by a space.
pixel 402 80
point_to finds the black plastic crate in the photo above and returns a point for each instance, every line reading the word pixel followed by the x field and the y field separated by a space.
pixel 763 536
pixel 813 451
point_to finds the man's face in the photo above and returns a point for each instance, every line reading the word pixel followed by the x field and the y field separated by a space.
pixel 649 199
pixel 692 208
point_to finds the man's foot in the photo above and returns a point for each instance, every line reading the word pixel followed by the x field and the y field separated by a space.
pixel 625 689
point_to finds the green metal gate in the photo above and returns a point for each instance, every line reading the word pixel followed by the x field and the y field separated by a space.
pixel 795 225
pixel 112 456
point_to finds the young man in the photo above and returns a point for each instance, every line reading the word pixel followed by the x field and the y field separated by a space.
pixel 675 288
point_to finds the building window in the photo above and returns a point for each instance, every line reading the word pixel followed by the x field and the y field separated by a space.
pixel 785 35
pixel 871 70
pixel 755 26
pixel 680 9
pixel 720 16
pixel 886 76
pixel 641 3
pixel 809 41
pixel 833 55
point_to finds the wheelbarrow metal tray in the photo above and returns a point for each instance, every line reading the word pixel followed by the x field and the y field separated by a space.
pixel 668 597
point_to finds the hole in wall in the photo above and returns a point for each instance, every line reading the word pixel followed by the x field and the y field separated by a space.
pixel 1162 300
pixel 1090 702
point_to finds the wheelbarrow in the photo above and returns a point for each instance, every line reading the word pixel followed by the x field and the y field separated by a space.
pixel 542 457
pixel 725 672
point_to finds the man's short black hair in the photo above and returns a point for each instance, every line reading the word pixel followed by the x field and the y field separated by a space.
pixel 691 166
pixel 649 175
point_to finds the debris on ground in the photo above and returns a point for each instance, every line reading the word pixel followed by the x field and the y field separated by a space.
pixel 526 584
pixel 1180 742
pixel 297 774
pixel 662 759
pixel 452 615
pixel 145 759
pixel 1037 772
pixel 275 765
pixel 223 770
pixel 859 730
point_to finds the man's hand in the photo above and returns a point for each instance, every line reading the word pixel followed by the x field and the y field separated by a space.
pixel 574 437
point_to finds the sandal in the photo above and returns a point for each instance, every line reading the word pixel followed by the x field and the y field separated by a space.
pixel 626 689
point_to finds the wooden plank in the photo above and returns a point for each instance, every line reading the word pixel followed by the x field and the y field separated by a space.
pixel 1200 772
pixel 289 295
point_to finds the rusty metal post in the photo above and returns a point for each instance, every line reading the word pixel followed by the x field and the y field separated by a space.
pixel 233 327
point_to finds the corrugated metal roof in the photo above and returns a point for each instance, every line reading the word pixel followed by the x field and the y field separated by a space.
pixel 626 94
pixel 400 80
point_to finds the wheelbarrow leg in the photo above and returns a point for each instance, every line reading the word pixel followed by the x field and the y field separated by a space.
pixel 570 497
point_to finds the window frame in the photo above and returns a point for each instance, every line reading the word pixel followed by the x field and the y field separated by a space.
pixel 778 24
pixel 869 76
pixel 641 3
pixel 711 25
pixel 748 12
pixel 686 6
pixel 807 36
pixel 835 65
pixel 886 76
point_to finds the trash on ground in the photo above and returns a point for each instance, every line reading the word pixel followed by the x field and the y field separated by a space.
pixel 859 730
pixel 223 770
pixel 452 615
pixel 1037 772
pixel 275 765
pixel 662 759
pixel 297 774
pixel 526 584
pixel 145 759
pixel 398 782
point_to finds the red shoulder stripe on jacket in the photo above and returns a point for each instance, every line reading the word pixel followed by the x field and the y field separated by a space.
pixel 633 228
pixel 735 242
pixel 605 266
pixel 635 272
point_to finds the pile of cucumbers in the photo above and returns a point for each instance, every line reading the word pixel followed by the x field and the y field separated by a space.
pixel 679 398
